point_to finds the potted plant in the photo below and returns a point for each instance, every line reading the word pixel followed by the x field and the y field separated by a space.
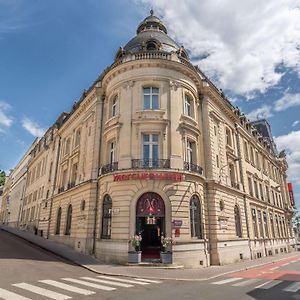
pixel 135 257
pixel 166 254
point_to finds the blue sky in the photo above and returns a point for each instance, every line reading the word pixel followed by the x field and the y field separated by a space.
pixel 50 51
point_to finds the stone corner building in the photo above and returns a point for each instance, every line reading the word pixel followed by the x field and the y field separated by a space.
pixel 153 147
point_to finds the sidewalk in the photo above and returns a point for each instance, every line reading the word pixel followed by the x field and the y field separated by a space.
pixel 95 265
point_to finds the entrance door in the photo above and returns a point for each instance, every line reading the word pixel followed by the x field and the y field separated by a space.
pixel 150 223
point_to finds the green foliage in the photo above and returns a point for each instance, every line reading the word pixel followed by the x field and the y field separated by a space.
pixel 2 178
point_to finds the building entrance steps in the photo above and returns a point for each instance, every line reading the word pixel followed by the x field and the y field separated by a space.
pixel 144 270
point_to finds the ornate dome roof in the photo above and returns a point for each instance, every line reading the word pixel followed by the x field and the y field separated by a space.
pixel 151 36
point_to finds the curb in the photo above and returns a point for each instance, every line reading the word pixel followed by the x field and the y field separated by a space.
pixel 87 267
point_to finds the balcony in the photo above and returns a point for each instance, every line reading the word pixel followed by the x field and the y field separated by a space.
pixel 235 185
pixel 109 168
pixel 61 189
pixel 71 185
pixel 150 163
pixel 192 168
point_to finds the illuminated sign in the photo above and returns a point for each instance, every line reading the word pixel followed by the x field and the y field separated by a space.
pixel 150 176
pixel 290 188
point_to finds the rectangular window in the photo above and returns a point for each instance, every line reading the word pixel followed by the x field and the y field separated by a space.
pixel 250 186
pixel 74 173
pixel 272 225
pixel 188 106
pixel 151 98
pixel 112 152
pixel 246 150
pixel 228 137
pixel 268 194
pixel 261 230
pixel 256 189
pixel 114 106
pixel 261 191
pixel 254 222
pixel 265 223
pixel 150 150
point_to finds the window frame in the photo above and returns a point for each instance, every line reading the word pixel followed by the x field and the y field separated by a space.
pixel 151 95
pixel 196 217
pixel 106 226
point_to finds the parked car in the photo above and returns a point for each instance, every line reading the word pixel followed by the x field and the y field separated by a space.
pixel 298 246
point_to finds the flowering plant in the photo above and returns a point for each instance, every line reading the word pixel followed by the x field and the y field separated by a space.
pixel 166 242
pixel 135 241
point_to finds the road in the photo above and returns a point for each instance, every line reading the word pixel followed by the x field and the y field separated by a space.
pixel 28 272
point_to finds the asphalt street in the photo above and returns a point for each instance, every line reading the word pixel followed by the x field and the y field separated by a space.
pixel 28 272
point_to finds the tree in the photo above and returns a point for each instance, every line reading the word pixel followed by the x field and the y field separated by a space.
pixel 2 178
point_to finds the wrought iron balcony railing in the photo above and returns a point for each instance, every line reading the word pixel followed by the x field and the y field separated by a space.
pixel 109 168
pixel 61 189
pixel 150 163
pixel 71 185
pixel 193 168
pixel 235 185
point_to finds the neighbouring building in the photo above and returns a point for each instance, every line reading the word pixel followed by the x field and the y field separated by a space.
pixel 153 147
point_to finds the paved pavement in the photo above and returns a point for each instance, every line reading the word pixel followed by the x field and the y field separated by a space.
pixel 157 273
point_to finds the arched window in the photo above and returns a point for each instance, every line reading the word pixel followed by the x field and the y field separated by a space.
pixel 237 218
pixel 69 220
pixel 195 217
pixel 58 221
pixel 106 218
pixel 151 46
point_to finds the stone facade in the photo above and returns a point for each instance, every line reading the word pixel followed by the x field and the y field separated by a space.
pixel 154 148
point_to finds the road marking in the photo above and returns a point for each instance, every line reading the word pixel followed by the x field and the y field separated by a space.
pixel 293 261
pixel 123 280
pixel 108 282
pixel 67 287
pixel 274 268
pixel 246 282
pixel 147 280
pixel 94 285
pixel 226 281
pixel 263 284
pixel 41 291
pixel 285 264
pixel 294 287
pixel 270 284
pixel 7 295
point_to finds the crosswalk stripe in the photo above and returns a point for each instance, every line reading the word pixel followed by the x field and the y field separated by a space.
pixel 147 280
pixel 108 282
pixel 294 287
pixel 41 291
pixel 67 287
pixel 226 281
pixel 271 284
pixel 90 284
pixel 7 295
pixel 245 282
pixel 123 280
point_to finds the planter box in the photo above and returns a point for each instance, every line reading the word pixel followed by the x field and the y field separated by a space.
pixel 134 257
pixel 166 257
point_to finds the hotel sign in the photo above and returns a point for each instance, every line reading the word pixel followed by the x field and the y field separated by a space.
pixel 150 176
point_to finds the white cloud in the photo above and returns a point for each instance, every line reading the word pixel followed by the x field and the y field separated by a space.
pixel 263 112
pixel 291 142
pixel 295 123
pixel 5 119
pixel 242 41
pixel 287 101
pixel 32 127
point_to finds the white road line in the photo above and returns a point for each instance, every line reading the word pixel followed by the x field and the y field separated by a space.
pixel 246 282
pixel 270 284
pixel 123 280
pixel 274 268
pixel 294 287
pixel 41 291
pixel 284 264
pixel 293 261
pixel 226 281
pixel 68 287
pixel 147 280
pixel 7 295
pixel 263 284
pixel 90 284
pixel 108 282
